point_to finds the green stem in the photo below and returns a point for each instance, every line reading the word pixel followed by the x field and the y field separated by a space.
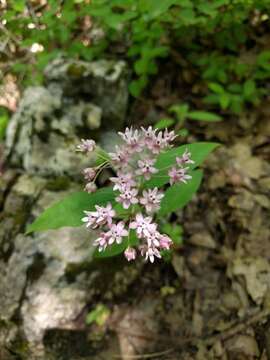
pixel 103 157
pixel 166 167
pixel 100 168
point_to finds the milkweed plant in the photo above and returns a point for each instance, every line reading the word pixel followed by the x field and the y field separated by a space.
pixel 150 179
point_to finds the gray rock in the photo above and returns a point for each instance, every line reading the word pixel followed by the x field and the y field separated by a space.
pixel 48 279
pixel 103 82
pixel 40 141
pixel 36 104
pixel 109 139
pixel 16 203
pixel 51 305
pixel 79 99
pixel 17 251
pixel 33 278
pixel 14 276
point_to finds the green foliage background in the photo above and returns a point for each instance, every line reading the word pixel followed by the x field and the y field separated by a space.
pixel 222 42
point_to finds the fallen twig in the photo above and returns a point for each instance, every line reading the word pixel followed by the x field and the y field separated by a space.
pixel 238 327
pixel 145 356
pixel 208 340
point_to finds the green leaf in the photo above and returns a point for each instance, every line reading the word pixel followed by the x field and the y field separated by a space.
pixel 216 88
pixel 18 5
pixel 141 65
pixel 102 156
pixel 44 58
pixel 237 103
pixel 203 116
pixel 112 250
pixel 164 123
pixel 183 132
pixel 3 124
pixel 69 211
pixel 224 101
pixel 155 8
pixel 249 88
pixel 180 111
pixel 99 315
pixel 178 195
pixel 199 152
pixel 174 231
pixel 235 88
pixel 136 86
pixel 211 99
pixel 207 9
pixel 115 20
pixel 69 16
pixel 263 60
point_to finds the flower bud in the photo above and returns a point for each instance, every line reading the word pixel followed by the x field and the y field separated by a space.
pixel 90 187
pixel 130 254
pixel 89 174
pixel 86 146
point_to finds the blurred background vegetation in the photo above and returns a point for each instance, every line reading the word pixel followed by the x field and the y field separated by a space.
pixel 187 60
pixel 220 48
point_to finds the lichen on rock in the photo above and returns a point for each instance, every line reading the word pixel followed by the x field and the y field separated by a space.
pixel 50 121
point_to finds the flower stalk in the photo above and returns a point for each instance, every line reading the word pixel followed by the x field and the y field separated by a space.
pixel 134 162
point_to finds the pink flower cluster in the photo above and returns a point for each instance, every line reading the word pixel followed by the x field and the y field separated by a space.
pixel 134 163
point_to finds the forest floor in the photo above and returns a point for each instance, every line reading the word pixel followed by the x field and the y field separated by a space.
pixel 212 301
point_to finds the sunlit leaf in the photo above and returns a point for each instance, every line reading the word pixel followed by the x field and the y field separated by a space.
pixel 3 123
pixel 199 152
pixel 216 88
pixel 164 123
pixel 69 211
pixel 178 195
pixel 203 116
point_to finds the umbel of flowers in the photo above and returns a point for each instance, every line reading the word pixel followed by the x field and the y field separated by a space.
pixel 134 163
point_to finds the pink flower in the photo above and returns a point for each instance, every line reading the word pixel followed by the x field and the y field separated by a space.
pixel 150 253
pixel 156 240
pixel 102 241
pixel 90 187
pixel 132 139
pixel 149 135
pixel 130 254
pixel 123 181
pixel 89 174
pixel 104 214
pixel 184 159
pixel 128 197
pixel 127 183
pixel 90 219
pixel 153 142
pixel 146 168
pixel 117 232
pixel 157 144
pixel 165 242
pixel 143 225
pixel 153 239
pixel 86 146
pixel 121 156
pixel 151 199
pixel 169 136
pixel 178 175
